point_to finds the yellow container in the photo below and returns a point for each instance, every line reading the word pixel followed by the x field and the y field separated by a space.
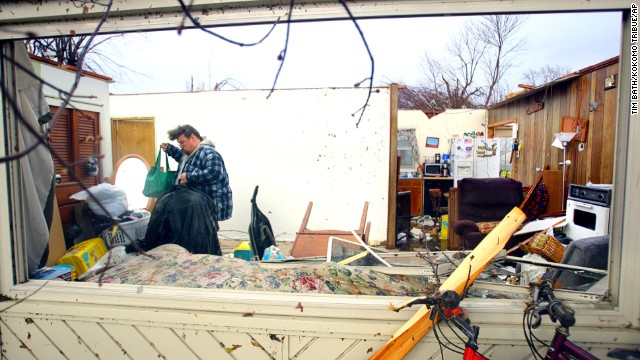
pixel 444 229
pixel 243 251
pixel 84 255
pixel 444 232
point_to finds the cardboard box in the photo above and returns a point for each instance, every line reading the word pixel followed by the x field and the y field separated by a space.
pixel 84 255
pixel 55 272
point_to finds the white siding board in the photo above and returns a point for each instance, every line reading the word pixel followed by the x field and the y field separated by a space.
pixel 98 340
pixel 130 339
pixel 64 338
pixel 355 350
pixel 203 344
pixel 12 346
pixel 246 349
pixel 167 342
pixel 324 348
pixel 275 348
pixel 295 344
pixel 32 337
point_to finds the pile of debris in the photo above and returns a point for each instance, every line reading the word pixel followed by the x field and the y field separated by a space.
pixel 423 234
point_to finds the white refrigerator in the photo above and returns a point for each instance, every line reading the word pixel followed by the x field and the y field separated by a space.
pixel 474 157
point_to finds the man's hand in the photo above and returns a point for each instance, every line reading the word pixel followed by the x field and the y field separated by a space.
pixel 164 146
pixel 183 178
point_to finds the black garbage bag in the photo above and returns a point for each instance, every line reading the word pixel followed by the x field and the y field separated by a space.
pixel 260 232
pixel 184 217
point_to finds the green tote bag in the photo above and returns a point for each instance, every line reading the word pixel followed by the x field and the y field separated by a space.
pixel 158 182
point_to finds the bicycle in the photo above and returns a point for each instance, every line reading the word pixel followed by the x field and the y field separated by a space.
pixel 446 306
pixel 545 303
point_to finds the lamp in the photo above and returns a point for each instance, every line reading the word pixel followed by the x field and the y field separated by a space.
pixel 561 142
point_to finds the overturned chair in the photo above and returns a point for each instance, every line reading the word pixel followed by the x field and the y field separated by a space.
pixel 309 243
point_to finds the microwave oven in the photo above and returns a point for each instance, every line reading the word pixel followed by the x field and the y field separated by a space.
pixel 432 169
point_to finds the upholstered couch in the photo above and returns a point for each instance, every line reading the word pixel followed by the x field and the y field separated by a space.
pixel 482 203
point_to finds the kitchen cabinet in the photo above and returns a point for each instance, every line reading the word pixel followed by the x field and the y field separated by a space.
pixel 415 186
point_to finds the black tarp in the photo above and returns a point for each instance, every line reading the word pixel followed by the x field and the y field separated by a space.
pixel 184 217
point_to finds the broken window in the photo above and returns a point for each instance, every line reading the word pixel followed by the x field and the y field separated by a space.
pixel 408 149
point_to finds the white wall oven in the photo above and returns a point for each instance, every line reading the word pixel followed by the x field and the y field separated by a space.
pixel 588 211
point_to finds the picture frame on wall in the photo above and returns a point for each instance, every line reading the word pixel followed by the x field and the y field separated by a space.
pixel 432 142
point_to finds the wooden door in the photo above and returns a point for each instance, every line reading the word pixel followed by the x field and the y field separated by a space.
pixel 133 136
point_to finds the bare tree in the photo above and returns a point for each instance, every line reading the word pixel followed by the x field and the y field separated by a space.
pixel 67 49
pixel 499 33
pixel 219 85
pixel 103 55
pixel 472 74
pixel 544 74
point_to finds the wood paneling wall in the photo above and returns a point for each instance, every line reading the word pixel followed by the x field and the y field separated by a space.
pixel 536 131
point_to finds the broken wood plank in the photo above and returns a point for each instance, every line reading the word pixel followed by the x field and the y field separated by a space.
pixel 417 327
pixel 353 258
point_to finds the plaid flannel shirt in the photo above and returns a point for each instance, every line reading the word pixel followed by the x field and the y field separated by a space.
pixel 206 172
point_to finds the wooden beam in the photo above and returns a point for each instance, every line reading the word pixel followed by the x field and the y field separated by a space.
pixel 393 166
pixel 419 325
pixel 503 122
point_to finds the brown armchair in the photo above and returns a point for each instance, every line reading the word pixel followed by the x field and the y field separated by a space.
pixel 484 201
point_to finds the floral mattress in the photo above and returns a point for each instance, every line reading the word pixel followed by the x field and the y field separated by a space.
pixel 172 265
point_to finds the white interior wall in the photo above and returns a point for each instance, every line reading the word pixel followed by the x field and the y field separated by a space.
pixel 298 146
pixel 92 94
pixel 451 123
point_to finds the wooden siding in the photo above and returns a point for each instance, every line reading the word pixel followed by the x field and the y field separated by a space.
pixel 254 325
pixel 536 131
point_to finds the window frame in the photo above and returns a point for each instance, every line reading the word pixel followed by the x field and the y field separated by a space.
pixel 623 226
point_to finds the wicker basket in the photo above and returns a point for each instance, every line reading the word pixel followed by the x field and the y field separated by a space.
pixel 546 246
pixel 135 229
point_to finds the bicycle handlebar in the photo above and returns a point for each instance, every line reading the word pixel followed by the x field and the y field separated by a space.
pixel 449 302
pixel 556 309
pixel 448 299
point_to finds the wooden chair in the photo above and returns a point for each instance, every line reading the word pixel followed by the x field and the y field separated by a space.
pixel 436 197
pixel 309 243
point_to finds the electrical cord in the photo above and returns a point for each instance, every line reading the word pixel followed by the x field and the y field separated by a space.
pixel 442 344
pixel 528 333
pixel 461 349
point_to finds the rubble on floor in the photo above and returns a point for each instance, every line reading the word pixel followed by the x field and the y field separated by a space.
pixel 424 234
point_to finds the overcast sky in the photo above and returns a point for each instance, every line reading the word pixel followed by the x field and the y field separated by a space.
pixel 332 54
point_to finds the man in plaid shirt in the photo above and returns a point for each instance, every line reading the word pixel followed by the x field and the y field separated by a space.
pixel 201 167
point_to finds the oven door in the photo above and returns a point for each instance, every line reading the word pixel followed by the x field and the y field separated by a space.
pixel 586 220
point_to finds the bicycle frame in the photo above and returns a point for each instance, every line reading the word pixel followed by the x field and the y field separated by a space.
pixel 561 348
pixel 471 354
pixel 561 345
